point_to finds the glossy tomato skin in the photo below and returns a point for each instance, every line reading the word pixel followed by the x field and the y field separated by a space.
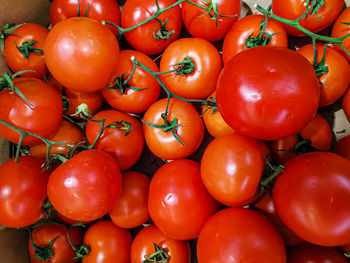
pixel 107 243
pixel 133 101
pixel 315 184
pixel 142 38
pixel 339 30
pixel 268 92
pixel 23 190
pixel 86 186
pixel 342 147
pixel 15 59
pixel 81 54
pixel 178 202
pixel 142 246
pixel 125 149
pixel 240 235
pixel 346 104
pixel 207 61
pixel 249 26
pixel 199 24
pixel 42 118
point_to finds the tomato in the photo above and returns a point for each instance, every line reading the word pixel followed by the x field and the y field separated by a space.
pixel 131 208
pixel 42 118
pixel 19 39
pixel 240 235
pixel 86 186
pixel 143 38
pixel 346 104
pixel 22 191
pixel 126 149
pixel 334 82
pixel 342 147
pixel 107 10
pixel 140 91
pixel 201 24
pixel 107 243
pixel 311 194
pixel 62 251
pixel 54 83
pixel 263 96
pixel 142 246
pixel 339 30
pixel 249 27
pixel 81 54
pixel 293 9
pixel 200 81
pixel 178 202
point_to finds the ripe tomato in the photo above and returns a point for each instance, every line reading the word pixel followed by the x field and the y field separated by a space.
pixel 86 186
pixel 292 9
pixel 178 202
pixel 125 149
pixel 249 27
pixel 240 235
pixel 81 54
pixel 131 208
pixel 346 104
pixel 339 30
pixel 19 39
pixel 311 194
pixel 342 147
pixel 107 243
pixel 146 87
pixel 200 82
pixel 143 38
pixel 54 83
pixel 42 118
pixel 22 191
pixel 200 24
pixel 142 246
pixel 261 95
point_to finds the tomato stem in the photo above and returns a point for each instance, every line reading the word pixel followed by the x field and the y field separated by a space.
pixel 159 256
pixel 28 48
pixel 42 252
pixel 7 30
pixel 269 175
pixel 122 84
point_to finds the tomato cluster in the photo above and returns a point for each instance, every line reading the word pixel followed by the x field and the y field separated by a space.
pixel 178 131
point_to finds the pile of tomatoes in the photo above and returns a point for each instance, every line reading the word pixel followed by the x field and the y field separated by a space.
pixel 244 167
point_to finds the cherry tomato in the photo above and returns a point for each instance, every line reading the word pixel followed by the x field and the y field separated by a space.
pixel 342 147
pixel 346 104
pixel 339 30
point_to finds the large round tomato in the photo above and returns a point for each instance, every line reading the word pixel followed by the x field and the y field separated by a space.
pixel 312 193
pixel 268 92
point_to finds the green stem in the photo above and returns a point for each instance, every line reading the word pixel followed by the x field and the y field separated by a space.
pixel 28 48
pixel 159 256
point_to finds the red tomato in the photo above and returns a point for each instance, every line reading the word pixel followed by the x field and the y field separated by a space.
pixel 107 243
pixel 240 235
pixel 18 61
pixel 86 186
pixel 143 37
pixel 42 118
pixel 190 129
pixel 178 202
pixel 261 95
pixel 142 246
pixel 249 27
pixel 81 54
pixel 146 88
pixel 346 104
pixel 342 147
pixel 293 9
pixel 54 83
pixel 131 208
pixel 311 194
pixel 125 149
pixel 200 82
pixel 22 191
pixel 339 30
pixel 201 24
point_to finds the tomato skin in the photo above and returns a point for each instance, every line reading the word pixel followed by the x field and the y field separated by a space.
pixel 199 24
pixel 178 202
pixel 342 147
pixel 240 235
pixel 14 58
pixel 85 187
pixel 133 101
pixel 315 184
pixel 142 246
pixel 141 38
pixel 272 100
pixel 234 41
pixel 131 208
pixel 346 104
pixel 43 118
pixel 125 149
pixel 108 243
pixel 339 30
pixel 81 54
pixel 21 197
pixel 202 81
